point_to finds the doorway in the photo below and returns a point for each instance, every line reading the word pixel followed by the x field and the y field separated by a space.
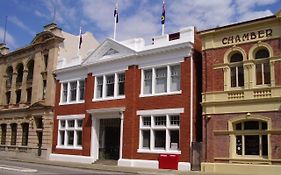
pixel 109 139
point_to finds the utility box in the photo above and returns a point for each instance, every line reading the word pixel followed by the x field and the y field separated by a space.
pixel 168 161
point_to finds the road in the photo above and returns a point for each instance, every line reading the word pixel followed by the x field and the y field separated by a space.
pixel 23 168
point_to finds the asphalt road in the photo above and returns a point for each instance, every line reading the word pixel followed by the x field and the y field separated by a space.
pixel 22 168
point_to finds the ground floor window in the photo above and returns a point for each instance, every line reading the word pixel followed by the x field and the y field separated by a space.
pixel 25 129
pixel 159 133
pixel 3 133
pixel 14 133
pixel 70 133
pixel 251 138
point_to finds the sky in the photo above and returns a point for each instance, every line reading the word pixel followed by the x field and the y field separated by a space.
pixel 137 18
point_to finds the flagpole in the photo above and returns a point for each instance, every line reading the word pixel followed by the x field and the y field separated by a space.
pixel 115 24
pixel 5 30
pixel 163 29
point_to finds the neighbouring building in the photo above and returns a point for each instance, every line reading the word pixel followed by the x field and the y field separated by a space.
pixel 130 102
pixel 27 90
pixel 242 97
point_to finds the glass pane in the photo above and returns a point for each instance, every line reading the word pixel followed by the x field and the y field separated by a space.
pixel 70 123
pixel 239 145
pixel 266 73
pixel 99 87
pixel 79 123
pixel 73 87
pixel 110 85
pixel 25 128
pixel 62 123
pixel 121 84
pixel 81 89
pixel 161 80
pixel 14 134
pixel 251 125
pixel 258 74
pixel 233 77
pixel 146 139
pixel 252 146
pixel 70 137
pixel 264 125
pixel 147 87
pixel 3 134
pixel 264 145
pixel 64 97
pixel 146 121
pixel 174 135
pixel 240 76
pixel 262 53
pixel 79 138
pixel 160 121
pixel 175 78
pixel 236 57
pixel 61 137
pixel 175 120
pixel 238 126
pixel 160 139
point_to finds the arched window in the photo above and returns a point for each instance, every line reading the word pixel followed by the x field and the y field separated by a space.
pixel 9 72
pixel 236 70
pixel 262 66
pixel 20 73
pixel 250 138
pixel 30 67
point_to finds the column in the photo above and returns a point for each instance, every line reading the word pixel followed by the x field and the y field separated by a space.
pixel 23 87
pixel 37 82
pixel 121 134
pixel 13 89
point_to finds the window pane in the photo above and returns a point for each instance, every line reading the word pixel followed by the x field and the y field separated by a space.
pixel 70 123
pixel 99 87
pixel 81 89
pixel 79 123
pixel 79 138
pixel 239 145
pixel 161 80
pixel 25 128
pixel 264 145
pixel 3 134
pixel 18 94
pixel 238 126
pixel 252 125
pixel 266 73
pixel 13 134
pixel 175 120
pixel 233 77
pixel 70 138
pixel 62 123
pixel 73 87
pixel 64 97
pixel 62 138
pixel 147 87
pixel 160 139
pixel 110 85
pixel 146 139
pixel 236 57
pixel 174 135
pixel 258 74
pixel 175 78
pixel 264 125
pixel 252 146
pixel 262 53
pixel 240 76
pixel 146 121
pixel 121 84
pixel 160 121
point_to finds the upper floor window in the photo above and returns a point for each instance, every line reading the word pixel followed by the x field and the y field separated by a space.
pixel 110 86
pixel 262 67
pixel 161 80
pixel 236 70
pixel 20 73
pixel 30 67
pixel 73 91
pixel 9 72
pixel 18 96
pixel 250 138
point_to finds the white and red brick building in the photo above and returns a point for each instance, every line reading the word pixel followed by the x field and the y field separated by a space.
pixel 130 102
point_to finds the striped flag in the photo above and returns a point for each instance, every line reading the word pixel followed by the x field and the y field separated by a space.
pixel 116 16
pixel 163 16
pixel 80 38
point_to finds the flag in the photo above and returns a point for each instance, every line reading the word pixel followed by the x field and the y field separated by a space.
pixel 163 14
pixel 116 14
pixel 80 38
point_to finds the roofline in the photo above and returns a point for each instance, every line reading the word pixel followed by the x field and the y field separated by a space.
pixel 236 24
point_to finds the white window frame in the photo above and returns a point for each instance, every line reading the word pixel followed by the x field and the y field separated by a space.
pixel 68 101
pixel 167 128
pixel 104 91
pixel 169 92
pixel 66 128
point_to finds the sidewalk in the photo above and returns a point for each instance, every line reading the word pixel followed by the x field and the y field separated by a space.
pixel 107 168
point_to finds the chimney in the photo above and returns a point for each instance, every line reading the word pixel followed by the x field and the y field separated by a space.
pixel 52 27
pixel 3 49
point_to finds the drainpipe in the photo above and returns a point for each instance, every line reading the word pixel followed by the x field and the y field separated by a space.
pixel 191 98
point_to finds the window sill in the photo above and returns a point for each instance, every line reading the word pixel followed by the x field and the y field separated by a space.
pixel 160 94
pixel 108 98
pixel 68 147
pixel 71 103
pixel 158 151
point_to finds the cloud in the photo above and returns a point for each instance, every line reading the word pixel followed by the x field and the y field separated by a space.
pixel 21 25
pixel 10 41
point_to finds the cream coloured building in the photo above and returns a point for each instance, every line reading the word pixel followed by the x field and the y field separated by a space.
pixel 27 89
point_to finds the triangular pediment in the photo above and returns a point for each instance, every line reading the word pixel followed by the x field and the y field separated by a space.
pixel 108 50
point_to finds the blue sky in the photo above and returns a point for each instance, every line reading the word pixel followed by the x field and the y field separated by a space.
pixel 137 18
